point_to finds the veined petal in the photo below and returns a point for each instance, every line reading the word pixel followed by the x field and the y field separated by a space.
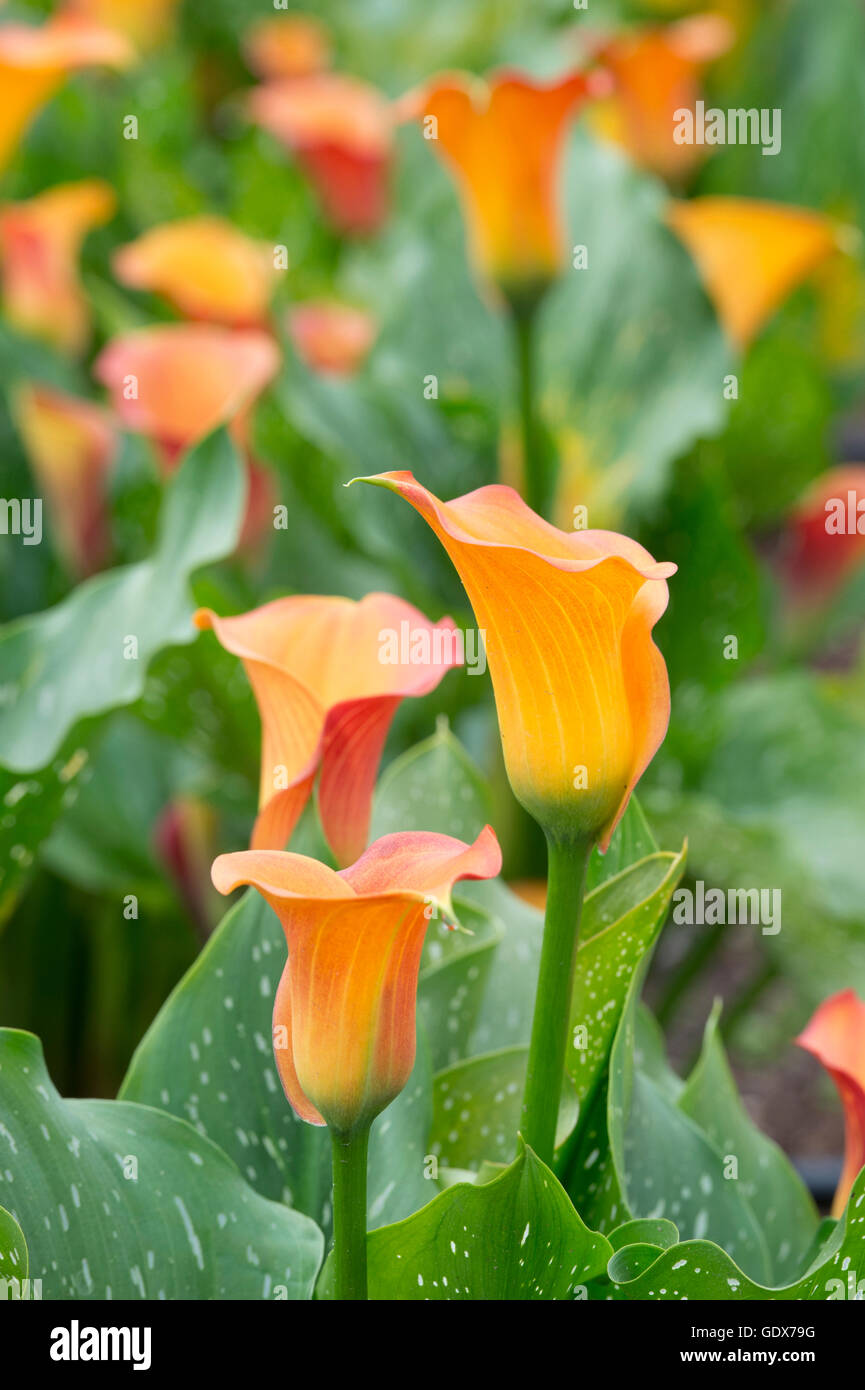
pixel 344 1019
pixel 751 255
pixel 836 1037
pixel 205 267
pixel 423 862
pixel 328 675
pixel 581 691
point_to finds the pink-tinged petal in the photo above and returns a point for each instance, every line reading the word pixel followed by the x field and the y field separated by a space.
pixel 836 1037
pixel 344 1020
pixel 354 739
pixel 423 862
pixel 341 132
pixel 331 338
pixel 824 542
pixel 177 382
pixel 328 675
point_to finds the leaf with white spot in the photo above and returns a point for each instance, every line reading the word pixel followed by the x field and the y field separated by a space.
pixel 434 786
pixel 699 1270
pixel 123 1201
pixel 477 1106
pixel 13 1248
pixel 778 1197
pixel 515 1237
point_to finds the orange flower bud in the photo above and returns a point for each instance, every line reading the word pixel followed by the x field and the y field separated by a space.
pixel 291 45
pixel 751 255
pixel 205 267
pixel 581 690
pixel 177 382
pixel 836 1037
pixel 40 241
pixel 328 675
pixel 502 140
pixel 71 447
pixel 656 71
pixel 344 1016
pixel 340 131
pixel 330 337
pixel 35 61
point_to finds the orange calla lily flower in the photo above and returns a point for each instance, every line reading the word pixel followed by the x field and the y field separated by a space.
pixel 328 675
pixel 344 1016
pixel 581 690
pixel 751 255
pixel 502 140
pixel 205 267
pixel 35 61
pixel 71 447
pixel 836 1037
pixel 656 72
pixel 291 45
pixel 177 382
pixel 40 242
pixel 825 539
pixel 340 130
pixel 331 337
pixel 145 22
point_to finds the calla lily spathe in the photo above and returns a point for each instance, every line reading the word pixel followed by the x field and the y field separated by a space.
pixel 40 243
pixel 330 337
pixel 751 255
pixel 327 690
pixel 176 382
pixel 502 139
pixel 207 268
pixel 656 71
pixel 836 1037
pixel 344 1015
pixel 581 690
pixel 340 130
pixel 34 62
pixel 71 446
pixel 824 540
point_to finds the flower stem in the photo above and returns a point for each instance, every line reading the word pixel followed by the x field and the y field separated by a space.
pixel 535 481
pixel 349 1213
pixel 566 875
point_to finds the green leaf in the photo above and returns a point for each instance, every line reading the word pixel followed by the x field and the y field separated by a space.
pixel 631 356
pixel 434 786
pixel 208 1057
pixel 778 1197
pixel 656 1232
pixel 29 808
pixel 14 1260
pixel 516 1237
pixel 75 660
pixel 698 1269
pixel 620 925
pixel 640 1156
pixel 477 1106
pixel 122 1201
pixel 453 981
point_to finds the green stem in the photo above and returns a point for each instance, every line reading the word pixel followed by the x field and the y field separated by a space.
pixel 349 1213
pixel 566 875
pixel 535 481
